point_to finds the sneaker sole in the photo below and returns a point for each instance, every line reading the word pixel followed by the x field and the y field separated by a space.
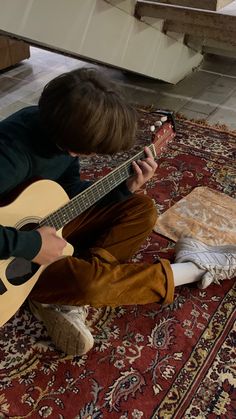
pixel 65 336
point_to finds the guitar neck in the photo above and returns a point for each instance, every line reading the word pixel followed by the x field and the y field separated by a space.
pixel 92 194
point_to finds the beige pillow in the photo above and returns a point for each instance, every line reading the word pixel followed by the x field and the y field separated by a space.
pixel 205 214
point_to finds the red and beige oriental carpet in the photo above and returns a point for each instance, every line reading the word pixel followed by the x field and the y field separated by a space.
pixel 148 361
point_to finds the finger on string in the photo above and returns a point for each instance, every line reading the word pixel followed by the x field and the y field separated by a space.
pixel 151 162
pixel 144 164
pixel 136 167
pixel 148 151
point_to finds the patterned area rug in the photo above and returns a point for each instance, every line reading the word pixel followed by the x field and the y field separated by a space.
pixel 148 361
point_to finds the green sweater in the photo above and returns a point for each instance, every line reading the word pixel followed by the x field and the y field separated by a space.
pixel 26 153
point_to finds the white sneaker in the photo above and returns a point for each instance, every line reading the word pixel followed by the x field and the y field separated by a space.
pixel 219 262
pixel 66 326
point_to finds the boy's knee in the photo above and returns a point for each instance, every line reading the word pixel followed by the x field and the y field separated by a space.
pixel 146 207
pixel 152 213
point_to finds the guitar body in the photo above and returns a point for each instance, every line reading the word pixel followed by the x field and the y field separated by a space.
pixel 37 200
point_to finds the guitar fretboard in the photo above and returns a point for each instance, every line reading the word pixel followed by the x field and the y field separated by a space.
pixel 92 194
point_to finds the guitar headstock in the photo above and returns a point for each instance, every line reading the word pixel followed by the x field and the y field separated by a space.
pixel 163 130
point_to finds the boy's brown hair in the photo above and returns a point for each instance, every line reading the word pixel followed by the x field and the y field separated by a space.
pixel 84 113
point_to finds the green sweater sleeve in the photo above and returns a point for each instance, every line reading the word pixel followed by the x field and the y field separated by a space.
pixel 14 169
pixel 17 243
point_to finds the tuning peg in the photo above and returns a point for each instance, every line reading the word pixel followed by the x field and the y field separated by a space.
pixel 164 118
pixel 158 124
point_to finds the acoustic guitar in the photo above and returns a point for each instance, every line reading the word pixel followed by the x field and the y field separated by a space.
pixel 17 275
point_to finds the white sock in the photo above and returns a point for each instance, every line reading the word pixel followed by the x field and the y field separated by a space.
pixel 186 273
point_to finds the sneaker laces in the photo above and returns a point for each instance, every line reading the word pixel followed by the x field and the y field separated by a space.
pixel 220 272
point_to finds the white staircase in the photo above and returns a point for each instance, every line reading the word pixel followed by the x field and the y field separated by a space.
pixel 198 4
pixel 104 31
pixel 206 25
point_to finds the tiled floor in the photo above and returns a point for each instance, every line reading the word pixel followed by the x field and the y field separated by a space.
pixel 208 93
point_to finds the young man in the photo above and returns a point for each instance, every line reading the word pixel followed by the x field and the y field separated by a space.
pixel 81 113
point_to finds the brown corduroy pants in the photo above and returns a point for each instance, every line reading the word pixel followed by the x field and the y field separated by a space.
pixel 99 274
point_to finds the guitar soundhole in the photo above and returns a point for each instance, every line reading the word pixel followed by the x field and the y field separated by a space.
pixel 20 270
pixel 29 227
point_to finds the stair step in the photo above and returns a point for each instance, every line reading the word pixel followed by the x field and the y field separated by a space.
pixel 202 32
pixel 185 15
pixel 222 50
pixel 210 46
pixel 213 5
